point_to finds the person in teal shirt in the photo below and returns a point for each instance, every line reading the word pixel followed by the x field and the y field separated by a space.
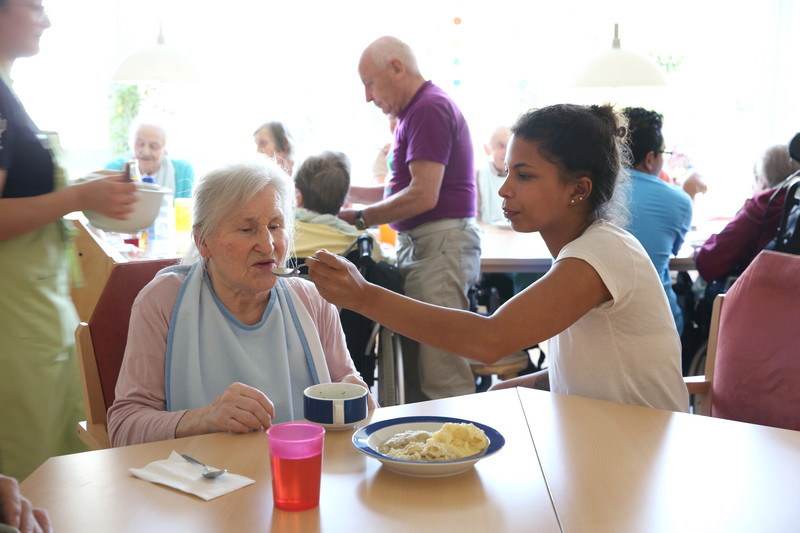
pixel 149 144
pixel 660 213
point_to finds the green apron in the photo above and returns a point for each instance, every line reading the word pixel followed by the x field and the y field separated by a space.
pixel 40 388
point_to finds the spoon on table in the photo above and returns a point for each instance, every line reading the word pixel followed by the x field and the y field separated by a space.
pixel 287 272
pixel 207 471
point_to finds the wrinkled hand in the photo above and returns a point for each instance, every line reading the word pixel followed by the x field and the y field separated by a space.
pixel 110 196
pixel 240 408
pixel 337 279
pixel 352 378
pixel 17 511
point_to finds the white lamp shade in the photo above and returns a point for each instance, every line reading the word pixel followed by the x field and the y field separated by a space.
pixel 620 68
pixel 157 63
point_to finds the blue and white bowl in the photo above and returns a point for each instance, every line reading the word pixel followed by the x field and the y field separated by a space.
pixel 371 437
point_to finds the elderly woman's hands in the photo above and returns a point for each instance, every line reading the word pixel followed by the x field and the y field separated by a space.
pixel 17 511
pixel 240 408
pixel 337 280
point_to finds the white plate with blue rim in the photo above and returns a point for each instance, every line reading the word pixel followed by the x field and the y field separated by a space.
pixel 369 439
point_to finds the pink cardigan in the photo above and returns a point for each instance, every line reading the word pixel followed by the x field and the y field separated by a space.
pixel 139 411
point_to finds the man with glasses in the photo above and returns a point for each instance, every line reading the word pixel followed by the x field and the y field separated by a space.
pixel 149 145
pixel 660 213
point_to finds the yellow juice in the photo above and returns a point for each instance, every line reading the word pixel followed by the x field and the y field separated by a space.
pixel 183 215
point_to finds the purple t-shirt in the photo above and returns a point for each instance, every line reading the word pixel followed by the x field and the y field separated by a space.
pixel 431 127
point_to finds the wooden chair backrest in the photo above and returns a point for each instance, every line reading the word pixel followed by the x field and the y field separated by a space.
pixel 108 325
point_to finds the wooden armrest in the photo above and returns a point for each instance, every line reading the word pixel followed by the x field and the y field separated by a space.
pixel 697 384
pixel 95 436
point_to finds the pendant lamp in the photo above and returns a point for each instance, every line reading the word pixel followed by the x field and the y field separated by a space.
pixel 158 63
pixel 620 68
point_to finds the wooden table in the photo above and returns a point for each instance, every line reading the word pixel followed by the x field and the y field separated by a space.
pixel 621 468
pixel 94 491
pixel 505 250
pixel 596 466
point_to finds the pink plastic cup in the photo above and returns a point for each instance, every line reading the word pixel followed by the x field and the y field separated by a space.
pixel 295 451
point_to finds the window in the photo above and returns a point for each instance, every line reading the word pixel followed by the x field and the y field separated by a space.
pixel 729 98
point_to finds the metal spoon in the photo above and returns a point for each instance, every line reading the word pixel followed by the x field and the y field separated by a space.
pixel 287 272
pixel 207 471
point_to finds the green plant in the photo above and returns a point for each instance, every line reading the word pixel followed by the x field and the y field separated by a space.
pixel 125 101
pixel 669 62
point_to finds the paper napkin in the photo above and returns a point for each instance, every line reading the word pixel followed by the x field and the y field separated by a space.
pixel 178 473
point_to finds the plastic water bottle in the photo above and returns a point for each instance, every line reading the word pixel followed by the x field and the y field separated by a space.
pixel 148 239
pixel 159 236
pixel 165 228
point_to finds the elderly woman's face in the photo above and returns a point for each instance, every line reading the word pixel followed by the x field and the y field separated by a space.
pixel 247 245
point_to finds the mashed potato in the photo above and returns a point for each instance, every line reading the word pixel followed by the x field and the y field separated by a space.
pixel 453 441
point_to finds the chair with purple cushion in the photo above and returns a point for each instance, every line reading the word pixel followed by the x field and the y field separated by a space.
pixel 753 364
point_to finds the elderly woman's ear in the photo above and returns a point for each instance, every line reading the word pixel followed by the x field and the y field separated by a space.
pixel 201 247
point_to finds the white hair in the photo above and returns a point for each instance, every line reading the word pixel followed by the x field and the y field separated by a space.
pixel 223 192
pixel 146 120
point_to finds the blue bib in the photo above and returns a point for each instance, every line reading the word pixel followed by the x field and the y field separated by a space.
pixel 208 349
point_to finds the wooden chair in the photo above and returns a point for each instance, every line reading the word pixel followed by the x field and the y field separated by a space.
pixel 97 258
pixel 101 344
pixel 485 299
pixel 752 371
pixel 506 368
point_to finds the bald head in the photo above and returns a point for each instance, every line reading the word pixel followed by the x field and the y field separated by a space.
pixel 496 148
pixel 390 74
pixel 499 135
pixel 385 49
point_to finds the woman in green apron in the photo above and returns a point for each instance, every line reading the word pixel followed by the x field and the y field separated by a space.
pixel 40 391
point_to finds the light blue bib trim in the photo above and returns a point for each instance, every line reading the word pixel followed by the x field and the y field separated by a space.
pixel 296 321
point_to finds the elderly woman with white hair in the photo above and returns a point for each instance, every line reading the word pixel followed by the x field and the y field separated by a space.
pixel 220 343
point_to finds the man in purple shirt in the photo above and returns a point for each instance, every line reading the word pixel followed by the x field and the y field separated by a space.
pixel 430 200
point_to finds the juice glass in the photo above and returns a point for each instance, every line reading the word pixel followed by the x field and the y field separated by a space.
pixel 387 235
pixel 183 215
pixel 183 224
pixel 295 451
